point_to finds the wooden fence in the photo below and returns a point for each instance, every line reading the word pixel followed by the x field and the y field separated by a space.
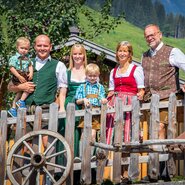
pixel 135 147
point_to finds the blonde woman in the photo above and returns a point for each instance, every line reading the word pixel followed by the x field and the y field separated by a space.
pixel 75 77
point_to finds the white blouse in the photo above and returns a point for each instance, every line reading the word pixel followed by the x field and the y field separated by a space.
pixel 138 75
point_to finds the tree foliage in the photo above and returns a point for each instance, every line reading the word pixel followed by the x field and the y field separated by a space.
pixel 52 17
pixel 105 23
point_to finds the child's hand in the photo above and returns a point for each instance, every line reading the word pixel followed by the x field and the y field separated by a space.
pixel 30 76
pixel 86 102
pixel 104 101
pixel 140 94
pixel 22 79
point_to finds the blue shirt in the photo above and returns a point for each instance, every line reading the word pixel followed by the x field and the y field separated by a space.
pixel 14 61
pixel 84 89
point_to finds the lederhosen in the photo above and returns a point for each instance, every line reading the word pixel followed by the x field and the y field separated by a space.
pixel 24 74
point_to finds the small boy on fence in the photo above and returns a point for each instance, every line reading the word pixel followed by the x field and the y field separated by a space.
pixel 22 70
pixel 92 93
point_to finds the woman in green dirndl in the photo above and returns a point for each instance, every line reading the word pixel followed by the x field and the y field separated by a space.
pixel 75 77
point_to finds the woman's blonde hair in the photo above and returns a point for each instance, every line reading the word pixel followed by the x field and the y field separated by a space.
pixel 82 49
pixel 92 68
pixel 126 44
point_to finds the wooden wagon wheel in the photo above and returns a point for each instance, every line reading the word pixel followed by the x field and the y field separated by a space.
pixel 39 161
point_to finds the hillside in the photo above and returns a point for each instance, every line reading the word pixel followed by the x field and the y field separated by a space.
pixel 125 31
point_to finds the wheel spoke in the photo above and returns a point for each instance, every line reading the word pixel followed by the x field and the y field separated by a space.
pixel 56 165
pixel 28 146
pixel 28 176
pixel 49 174
pixel 22 157
pixel 38 177
pixel 40 143
pixel 56 154
pixel 54 141
pixel 21 168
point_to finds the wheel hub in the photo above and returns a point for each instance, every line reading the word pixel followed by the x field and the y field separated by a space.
pixel 38 160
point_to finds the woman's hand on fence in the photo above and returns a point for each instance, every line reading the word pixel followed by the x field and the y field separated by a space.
pixel 183 87
pixel 110 94
pixel 140 94
pixel 61 109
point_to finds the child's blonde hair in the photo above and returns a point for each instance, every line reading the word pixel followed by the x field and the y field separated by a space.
pixel 82 49
pixel 21 40
pixel 92 68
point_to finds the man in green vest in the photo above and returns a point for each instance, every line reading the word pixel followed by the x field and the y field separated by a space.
pixel 49 75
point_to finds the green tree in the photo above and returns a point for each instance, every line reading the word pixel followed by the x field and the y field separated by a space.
pixel 52 17
pixel 161 14
pixel 169 28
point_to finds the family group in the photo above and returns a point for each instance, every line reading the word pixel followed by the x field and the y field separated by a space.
pixel 36 81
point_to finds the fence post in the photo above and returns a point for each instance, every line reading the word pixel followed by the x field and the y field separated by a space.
pixel 36 127
pixel 171 132
pixel 118 139
pixel 3 136
pixel 53 117
pixel 133 170
pixel 20 131
pixel 153 163
pixel 102 162
pixel 53 126
pixel 69 136
pixel 37 119
pixel 86 148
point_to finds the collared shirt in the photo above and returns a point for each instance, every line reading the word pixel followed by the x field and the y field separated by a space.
pixel 88 88
pixel 14 61
pixel 176 59
pixel 60 71
pixel 138 75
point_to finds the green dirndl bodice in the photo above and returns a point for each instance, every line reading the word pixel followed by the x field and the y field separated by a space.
pixel 72 87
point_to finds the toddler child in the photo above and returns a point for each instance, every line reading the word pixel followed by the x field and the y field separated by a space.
pixel 22 70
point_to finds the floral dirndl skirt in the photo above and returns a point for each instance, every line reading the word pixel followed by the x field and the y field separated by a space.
pixel 127 100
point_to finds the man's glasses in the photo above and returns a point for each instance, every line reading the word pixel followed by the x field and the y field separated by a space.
pixel 151 35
